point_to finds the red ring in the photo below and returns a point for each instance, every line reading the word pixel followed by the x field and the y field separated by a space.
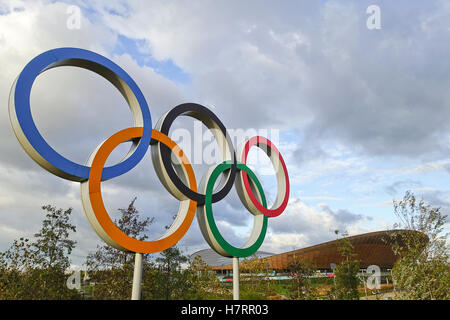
pixel 257 140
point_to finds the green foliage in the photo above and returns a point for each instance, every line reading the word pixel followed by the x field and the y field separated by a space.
pixel 301 283
pixel 53 245
pixel 110 269
pixel 346 272
pixel 422 270
pixel 171 282
pixel 36 269
pixel 253 286
pixel 347 280
pixel 205 284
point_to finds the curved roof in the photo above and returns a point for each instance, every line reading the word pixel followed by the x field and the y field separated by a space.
pixel 372 248
pixel 212 258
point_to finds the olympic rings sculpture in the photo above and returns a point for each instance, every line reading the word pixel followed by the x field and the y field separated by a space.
pixel 179 179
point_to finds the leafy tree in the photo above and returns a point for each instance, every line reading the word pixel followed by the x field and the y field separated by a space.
pixel 15 264
pixel 172 282
pixel 346 272
pixel 301 284
pixel 111 269
pixel 53 245
pixel 422 270
pixel 253 285
pixel 169 281
pixel 36 269
pixel 204 281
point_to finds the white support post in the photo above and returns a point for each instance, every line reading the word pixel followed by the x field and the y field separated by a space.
pixel 137 277
pixel 235 278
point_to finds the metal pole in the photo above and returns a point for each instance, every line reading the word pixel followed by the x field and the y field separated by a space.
pixel 235 278
pixel 137 277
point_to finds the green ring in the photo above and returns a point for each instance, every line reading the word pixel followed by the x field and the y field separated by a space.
pixel 233 251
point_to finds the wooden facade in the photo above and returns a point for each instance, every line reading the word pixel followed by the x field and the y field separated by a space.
pixel 371 249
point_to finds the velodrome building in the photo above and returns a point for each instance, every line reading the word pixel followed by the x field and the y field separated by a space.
pixel 372 248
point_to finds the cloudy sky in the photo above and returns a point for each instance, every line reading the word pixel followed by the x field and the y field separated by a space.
pixel 360 115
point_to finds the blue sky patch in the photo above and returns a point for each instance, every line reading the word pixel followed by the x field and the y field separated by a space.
pixel 139 51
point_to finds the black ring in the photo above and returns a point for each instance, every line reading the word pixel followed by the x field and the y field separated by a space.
pixel 198 112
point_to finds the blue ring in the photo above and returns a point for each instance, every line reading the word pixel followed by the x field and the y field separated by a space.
pixel 53 58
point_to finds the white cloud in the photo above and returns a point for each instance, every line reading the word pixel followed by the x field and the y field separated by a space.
pixel 302 225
